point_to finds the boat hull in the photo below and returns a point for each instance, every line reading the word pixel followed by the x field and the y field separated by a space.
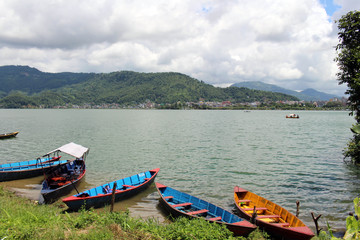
pixel 66 181
pixel 28 171
pixel 182 204
pixel 8 135
pixel 96 197
pixel 281 223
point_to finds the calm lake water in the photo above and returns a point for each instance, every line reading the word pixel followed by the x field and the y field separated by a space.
pixel 204 153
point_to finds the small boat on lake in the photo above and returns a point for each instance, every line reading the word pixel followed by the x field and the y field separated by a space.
pixel 101 195
pixel 62 180
pixel 182 204
pixel 8 135
pixel 269 216
pixel 30 168
pixel 292 116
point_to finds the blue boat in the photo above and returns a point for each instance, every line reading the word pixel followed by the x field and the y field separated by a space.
pixel 101 195
pixel 30 168
pixel 63 180
pixel 182 204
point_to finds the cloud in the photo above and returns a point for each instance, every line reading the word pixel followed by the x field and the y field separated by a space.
pixel 289 43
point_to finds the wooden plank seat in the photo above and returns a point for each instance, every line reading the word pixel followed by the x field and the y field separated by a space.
pixel 128 186
pixel 215 219
pixel 182 204
pixel 168 197
pixel 257 209
pixel 244 201
pixel 282 224
pixel 268 216
pixel 198 212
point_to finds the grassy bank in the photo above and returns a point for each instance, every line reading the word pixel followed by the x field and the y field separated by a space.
pixel 23 219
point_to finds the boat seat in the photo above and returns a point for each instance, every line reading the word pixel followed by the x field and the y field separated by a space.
pixel 257 209
pixel 268 216
pixel 215 219
pixel 146 179
pixel 168 197
pixel 244 201
pixel 182 204
pixel 198 212
pixel 128 186
pixel 282 224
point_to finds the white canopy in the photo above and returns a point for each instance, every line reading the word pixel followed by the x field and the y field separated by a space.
pixel 72 149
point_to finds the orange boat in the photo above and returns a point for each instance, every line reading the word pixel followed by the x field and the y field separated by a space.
pixel 269 216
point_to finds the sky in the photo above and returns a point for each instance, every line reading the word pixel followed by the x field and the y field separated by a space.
pixel 289 43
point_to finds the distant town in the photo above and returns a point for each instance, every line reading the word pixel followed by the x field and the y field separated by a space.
pixel 332 104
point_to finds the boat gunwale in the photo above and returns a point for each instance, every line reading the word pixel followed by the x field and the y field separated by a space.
pixel 75 198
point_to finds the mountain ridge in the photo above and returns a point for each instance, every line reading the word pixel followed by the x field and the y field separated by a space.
pixel 308 94
pixel 23 85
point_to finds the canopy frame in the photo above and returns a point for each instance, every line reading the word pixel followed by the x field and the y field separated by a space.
pixel 72 149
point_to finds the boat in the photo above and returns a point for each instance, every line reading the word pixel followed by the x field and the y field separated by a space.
pixel 270 217
pixel 102 195
pixel 182 204
pixel 64 179
pixel 8 135
pixel 30 168
pixel 292 116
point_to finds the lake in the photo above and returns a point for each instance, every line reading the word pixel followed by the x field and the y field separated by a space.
pixel 204 153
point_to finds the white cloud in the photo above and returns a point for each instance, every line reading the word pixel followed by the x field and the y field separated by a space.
pixel 289 43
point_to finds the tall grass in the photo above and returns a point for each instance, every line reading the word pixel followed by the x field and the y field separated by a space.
pixel 23 219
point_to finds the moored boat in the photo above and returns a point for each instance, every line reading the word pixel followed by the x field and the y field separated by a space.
pixel 269 216
pixel 182 204
pixel 64 179
pixel 30 168
pixel 293 115
pixel 101 195
pixel 8 135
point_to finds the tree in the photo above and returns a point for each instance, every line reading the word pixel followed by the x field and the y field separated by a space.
pixel 348 60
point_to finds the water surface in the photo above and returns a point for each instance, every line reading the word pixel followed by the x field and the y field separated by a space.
pixel 204 153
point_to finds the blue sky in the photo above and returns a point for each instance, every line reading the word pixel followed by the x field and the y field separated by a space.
pixel 330 6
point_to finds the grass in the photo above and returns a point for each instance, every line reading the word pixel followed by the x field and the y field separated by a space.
pixel 23 219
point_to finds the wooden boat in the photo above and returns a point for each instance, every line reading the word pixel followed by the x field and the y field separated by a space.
pixel 61 181
pixel 272 218
pixel 101 195
pixel 182 204
pixel 31 168
pixel 8 135
pixel 292 116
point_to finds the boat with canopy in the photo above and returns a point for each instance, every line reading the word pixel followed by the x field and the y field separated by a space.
pixel 64 179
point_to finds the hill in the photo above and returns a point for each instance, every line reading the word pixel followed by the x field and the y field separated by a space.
pixel 306 95
pixel 25 86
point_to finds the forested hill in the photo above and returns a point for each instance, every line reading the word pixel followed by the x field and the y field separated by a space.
pixel 22 86
pixel 31 80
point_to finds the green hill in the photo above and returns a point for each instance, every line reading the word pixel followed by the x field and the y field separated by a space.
pixel 29 86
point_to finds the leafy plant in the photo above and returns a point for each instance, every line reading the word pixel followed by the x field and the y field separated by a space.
pixel 353 223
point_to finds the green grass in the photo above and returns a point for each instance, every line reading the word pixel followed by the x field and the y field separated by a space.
pixel 23 219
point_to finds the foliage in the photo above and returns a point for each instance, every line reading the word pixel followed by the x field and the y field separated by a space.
pixel 352 227
pixel 348 60
pixel 353 223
